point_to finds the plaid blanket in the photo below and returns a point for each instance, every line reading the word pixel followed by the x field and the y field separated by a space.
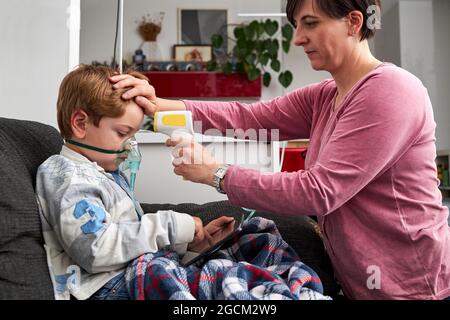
pixel 257 264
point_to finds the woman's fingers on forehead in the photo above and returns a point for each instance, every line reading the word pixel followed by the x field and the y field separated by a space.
pixel 125 82
pixel 119 77
pixel 131 93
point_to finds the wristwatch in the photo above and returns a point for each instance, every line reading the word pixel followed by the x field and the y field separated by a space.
pixel 218 176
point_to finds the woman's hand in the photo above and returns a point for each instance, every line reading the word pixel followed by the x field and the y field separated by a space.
pixel 214 232
pixel 192 161
pixel 140 90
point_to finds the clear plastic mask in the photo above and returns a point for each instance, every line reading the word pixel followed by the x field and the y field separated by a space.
pixel 128 157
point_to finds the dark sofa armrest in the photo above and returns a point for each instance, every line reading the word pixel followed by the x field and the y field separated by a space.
pixel 300 232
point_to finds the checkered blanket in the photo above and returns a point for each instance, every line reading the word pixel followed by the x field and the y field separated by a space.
pixel 258 264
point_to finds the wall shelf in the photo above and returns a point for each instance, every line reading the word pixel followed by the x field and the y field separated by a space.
pixel 203 84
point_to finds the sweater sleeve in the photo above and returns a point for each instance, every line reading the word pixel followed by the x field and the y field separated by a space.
pixel 382 119
pixel 291 114
pixel 111 245
pixel 96 241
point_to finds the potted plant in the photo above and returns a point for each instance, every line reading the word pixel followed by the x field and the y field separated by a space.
pixel 149 28
pixel 256 48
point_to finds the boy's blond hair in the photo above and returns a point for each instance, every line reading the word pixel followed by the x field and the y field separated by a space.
pixel 88 88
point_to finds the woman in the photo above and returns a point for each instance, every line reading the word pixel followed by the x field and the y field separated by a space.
pixel 370 174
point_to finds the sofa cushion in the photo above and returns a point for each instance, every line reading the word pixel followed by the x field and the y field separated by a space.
pixel 24 145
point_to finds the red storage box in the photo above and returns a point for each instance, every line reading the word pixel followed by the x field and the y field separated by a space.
pixel 294 159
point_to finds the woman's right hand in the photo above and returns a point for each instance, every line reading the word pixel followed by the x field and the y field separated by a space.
pixel 144 94
pixel 140 90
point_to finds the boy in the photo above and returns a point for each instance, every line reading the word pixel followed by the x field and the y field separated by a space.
pixel 92 228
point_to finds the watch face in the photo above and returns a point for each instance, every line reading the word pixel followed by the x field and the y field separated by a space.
pixel 222 172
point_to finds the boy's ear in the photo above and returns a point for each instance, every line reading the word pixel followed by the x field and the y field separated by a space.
pixel 79 122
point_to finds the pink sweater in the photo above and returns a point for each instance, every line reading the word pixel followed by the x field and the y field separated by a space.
pixel 370 178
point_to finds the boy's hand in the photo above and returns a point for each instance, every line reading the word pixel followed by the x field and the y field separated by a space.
pixel 199 234
pixel 213 232
pixel 143 93
pixel 219 228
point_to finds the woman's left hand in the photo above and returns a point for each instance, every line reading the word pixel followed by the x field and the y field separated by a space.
pixel 192 161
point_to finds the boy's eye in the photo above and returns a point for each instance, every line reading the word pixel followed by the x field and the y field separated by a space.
pixel 122 134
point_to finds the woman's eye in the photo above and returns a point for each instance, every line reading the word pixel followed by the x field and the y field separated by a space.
pixel 310 24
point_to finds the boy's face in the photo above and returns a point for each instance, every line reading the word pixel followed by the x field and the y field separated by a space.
pixel 111 134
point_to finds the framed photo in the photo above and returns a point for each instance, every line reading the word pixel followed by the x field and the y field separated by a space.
pixel 196 26
pixel 198 53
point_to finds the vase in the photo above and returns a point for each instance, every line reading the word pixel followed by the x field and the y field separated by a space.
pixel 151 50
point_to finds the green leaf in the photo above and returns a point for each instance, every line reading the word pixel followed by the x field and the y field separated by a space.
pixel 276 43
pixel 242 43
pixel 271 27
pixel 264 59
pixel 275 65
pixel 239 33
pixel 227 68
pixel 260 29
pixel 216 40
pixel 253 74
pixel 285 78
pixel 259 46
pixel 240 67
pixel 254 25
pixel 271 48
pixel 286 46
pixel 250 59
pixel 267 78
pixel 240 52
pixel 211 65
pixel 287 31
pixel 251 45
pixel 249 32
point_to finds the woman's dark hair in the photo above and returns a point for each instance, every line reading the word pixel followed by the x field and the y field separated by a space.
pixel 339 9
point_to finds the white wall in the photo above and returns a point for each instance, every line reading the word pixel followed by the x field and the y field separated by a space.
pixel 156 182
pixel 387 39
pixel 34 57
pixel 441 104
pixel 414 36
pixel 417 42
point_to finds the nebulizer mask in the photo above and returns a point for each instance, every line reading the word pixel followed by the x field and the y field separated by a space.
pixel 132 161
pixel 127 158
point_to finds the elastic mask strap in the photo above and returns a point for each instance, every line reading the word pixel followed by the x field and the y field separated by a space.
pixel 86 146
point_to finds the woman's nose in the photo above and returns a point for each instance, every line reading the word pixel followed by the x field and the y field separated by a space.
pixel 299 37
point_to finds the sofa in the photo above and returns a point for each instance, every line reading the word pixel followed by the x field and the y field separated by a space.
pixel 24 145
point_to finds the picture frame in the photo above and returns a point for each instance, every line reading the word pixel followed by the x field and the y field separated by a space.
pixel 196 26
pixel 198 53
